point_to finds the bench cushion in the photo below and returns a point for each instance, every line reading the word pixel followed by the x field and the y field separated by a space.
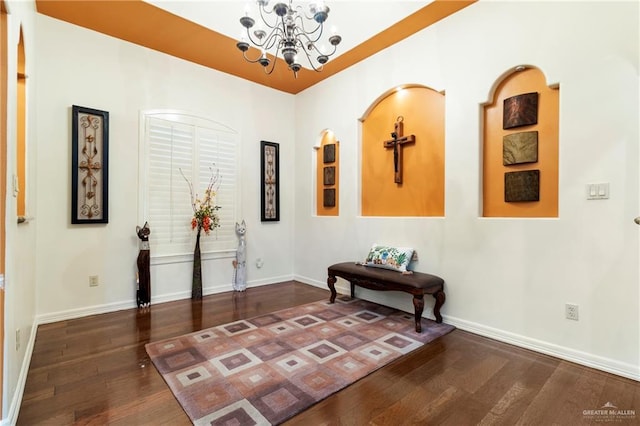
pixel 418 280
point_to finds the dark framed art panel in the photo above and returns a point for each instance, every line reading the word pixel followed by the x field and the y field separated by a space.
pixel 520 110
pixel 269 181
pixel 89 165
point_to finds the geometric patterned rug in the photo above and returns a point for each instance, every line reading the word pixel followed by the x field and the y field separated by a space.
pixel 265 370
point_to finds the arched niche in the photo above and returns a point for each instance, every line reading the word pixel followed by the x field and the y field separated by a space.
pixel 328 175
pixel 421 191
pixel 21 130
pixel 508 152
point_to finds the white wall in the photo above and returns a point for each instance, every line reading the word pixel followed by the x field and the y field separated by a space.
pixel 78 66
pixel 20 277
pixel 505 278
pixel 82 67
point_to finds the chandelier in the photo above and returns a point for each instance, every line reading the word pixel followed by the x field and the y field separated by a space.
pixel 292 32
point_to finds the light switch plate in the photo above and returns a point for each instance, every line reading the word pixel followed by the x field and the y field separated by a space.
pixel 597 191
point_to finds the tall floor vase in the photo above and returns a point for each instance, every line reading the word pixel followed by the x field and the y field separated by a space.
pixel 196 284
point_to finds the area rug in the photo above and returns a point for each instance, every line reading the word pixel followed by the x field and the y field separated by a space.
pixel 267 369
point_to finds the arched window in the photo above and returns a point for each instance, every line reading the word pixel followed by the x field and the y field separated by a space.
pixel 176 144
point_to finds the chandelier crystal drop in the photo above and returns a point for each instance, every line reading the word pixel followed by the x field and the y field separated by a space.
pixel 291 31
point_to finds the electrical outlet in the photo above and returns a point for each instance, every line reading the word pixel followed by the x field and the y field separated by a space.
pixel 571 311
pixel 17 339
pixel 93 281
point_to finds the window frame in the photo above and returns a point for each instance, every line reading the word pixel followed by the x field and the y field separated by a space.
pixel 182 117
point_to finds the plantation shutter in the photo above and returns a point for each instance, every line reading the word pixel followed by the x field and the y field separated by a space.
pixel 177 145
pixel 219 149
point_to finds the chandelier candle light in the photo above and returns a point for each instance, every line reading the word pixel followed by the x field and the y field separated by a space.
pixel 287 27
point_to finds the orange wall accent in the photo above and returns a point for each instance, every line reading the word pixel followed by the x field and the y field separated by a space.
pixel 529 80
pixel 138 22
pixel 21 129
pixel 327 139
pixel 422 190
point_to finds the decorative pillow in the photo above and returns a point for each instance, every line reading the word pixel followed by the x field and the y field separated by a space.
pixel 394 258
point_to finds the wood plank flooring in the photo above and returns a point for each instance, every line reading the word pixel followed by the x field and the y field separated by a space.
pixel 95 371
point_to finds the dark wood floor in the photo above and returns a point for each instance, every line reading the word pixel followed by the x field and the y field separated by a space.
pixel 95 371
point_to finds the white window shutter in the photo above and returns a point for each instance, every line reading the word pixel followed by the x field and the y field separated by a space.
pixel 179 144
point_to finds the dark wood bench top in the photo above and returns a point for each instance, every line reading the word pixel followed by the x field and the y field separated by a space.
pixel 428 283
pixel 417 283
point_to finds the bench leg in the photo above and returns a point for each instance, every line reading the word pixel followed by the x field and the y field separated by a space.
pixel 418 304
pixel 440 298
pixel 331 281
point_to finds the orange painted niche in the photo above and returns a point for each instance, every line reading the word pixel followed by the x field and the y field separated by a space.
pixel 421 192
pixel 21 147
pixel 328 174
pixel 493 199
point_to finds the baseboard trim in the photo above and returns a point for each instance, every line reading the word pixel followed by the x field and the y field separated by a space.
pixel 342 287
pixel 593 361
pixel 309 281
pixel 16 401
pixel 583 358
pixel 588 360
pixel 130 304
pixel 84 312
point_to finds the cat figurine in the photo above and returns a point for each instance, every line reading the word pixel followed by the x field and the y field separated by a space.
pixel 240 264
pixel 143 293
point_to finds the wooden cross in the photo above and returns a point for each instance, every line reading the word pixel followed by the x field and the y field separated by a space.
pixel 397 144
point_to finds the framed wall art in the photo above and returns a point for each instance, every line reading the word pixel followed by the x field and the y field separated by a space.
pixel 329 174
pixel 329 197
pixel 329 153
pixel 522 186
pixel 520 110
pixel 270 179
pixel 520 148
pixel 89 165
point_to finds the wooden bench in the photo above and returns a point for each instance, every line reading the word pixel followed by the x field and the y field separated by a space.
pixel 418 284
